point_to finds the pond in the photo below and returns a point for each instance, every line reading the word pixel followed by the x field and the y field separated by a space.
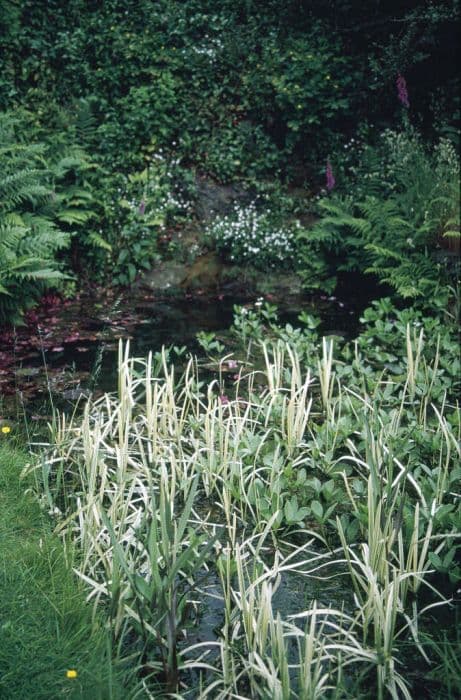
pixel 68 347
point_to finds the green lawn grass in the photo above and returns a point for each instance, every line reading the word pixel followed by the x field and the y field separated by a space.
pixel 45 625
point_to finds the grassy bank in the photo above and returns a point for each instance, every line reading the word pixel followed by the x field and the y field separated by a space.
pixel 45 625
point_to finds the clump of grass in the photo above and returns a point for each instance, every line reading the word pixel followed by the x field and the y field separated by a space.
pixel 444 650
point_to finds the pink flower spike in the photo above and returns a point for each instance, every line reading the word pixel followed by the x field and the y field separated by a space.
pixel 224 399
pixel 402 91
pixel 330 177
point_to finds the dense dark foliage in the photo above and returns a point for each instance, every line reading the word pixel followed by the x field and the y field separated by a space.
pixel 150 93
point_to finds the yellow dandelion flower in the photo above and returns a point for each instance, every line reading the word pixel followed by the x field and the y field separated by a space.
pixel 71 673
pixel 6 429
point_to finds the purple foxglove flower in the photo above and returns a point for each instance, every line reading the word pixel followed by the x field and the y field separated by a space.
pixel 402 91
pixel 142 207
pixel 330 177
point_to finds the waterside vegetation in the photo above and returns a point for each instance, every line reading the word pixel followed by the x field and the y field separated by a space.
pixel 315 468
pixel 111 130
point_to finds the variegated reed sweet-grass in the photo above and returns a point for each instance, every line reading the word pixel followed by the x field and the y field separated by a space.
pixel 388 567
pixel 279 659
pixel 154 441
pixel 161 590
pixel 273 657
pixel 326 374
pixel 267 656
pixel 381 617
pixel 294 403
pixel 388 483
pixel 125 469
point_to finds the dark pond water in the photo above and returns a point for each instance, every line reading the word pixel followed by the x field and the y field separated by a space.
pixel 69 347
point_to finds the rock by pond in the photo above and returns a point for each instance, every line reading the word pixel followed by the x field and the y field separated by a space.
pixel 214 199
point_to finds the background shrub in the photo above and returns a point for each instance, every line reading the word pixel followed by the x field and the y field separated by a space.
pixel 394 216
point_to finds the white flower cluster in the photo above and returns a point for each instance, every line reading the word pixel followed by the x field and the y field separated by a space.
pixel 159 191
pixel 162 188
pixel 209 47
pixel 250 236
pixel 447 159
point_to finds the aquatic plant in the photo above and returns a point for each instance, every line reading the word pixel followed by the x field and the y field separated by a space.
pixel 176 497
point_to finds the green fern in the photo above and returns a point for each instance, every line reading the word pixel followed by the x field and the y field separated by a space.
pixel 85 123
pixel 73 203
pixel 29 238
pixel 400 222
pixel 372 236
pixel 97 241
pixel 411 277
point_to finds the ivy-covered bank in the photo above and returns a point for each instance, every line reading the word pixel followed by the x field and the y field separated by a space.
pixel 114 115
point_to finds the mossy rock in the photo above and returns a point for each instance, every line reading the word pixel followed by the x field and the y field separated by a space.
pixel 204 273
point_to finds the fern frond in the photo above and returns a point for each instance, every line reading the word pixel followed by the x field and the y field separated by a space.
pixel 20 187
pixel 96 240
pixel 385 253
pixel 85 121
pixel 76 160
pixel 29 238
pixel 74 216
